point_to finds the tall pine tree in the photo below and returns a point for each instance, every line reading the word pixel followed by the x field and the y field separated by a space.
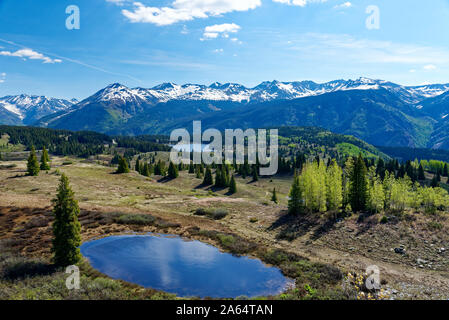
pixel 172 171
pixel 421 175
pixel 66 227
pixel 32 165
pixel 208 179
pixel 44 160
pixel 255 174
pixel 358 193
pixel 232 186
pixel 295 206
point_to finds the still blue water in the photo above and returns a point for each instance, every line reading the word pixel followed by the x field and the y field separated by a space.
pixel 186 268
pixel 192 147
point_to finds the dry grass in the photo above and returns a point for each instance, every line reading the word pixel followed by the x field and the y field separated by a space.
pixel 251 215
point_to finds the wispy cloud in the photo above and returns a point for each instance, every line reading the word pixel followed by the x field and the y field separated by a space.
pixel 58 58
pixel 344 5
pixel 29 54
pixel 186 10
pixel 119 2
pixel 345 47
pixel 2 77
pixel 300 3
pixel 223 30
pixel 165 60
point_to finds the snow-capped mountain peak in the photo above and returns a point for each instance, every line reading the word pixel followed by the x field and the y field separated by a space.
pixel 29 108
pixel 265 91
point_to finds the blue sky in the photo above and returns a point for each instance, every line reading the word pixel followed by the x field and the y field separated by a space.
pixel 202 41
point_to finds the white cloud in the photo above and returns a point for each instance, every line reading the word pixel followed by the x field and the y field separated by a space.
pixel 343 5
pixel 300 3
pixel 212 32
pixel 29 54
pixel 2 77
pixel 218 51
pixel 186 10
pixel 430 67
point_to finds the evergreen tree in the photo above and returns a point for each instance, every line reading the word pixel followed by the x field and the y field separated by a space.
pixel 438 176
pixel 380 169
pixel 44 160
pixel 421 175
pixel 224 176
pixel 446 170
pixel 295 202
pixel 146 170
pixel 122 166
pixel 66 227
pixel 255 174
pixel 172 171
pixel 159 169
pixel 218 178
pixel 274 196
pixel 191 167
pixel 358 192
pixel 137 166
pixel 32 165
pixel 232 185
pixel 434 183
pixel 198 172
pixel 410 171
pixel 208 180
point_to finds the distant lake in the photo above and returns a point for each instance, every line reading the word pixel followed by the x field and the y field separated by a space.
pixel 186 268
pixel 194 147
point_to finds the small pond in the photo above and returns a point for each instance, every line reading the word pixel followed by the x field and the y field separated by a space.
pixel 195 147
pixel 186 268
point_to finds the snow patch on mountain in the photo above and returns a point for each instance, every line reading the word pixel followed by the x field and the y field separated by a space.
pixel 30 108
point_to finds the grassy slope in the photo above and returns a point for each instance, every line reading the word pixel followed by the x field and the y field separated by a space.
pixel 251 215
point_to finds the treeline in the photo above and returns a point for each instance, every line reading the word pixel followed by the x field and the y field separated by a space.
pixel 81 143
pixel 313 140
pixel 405 154
pixel 58 142
pixel 361 186
pixel 144 144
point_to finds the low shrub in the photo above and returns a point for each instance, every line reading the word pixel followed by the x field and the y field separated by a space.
pixel 135 219
pixel 7 166
pixel 435 225
pixel 216 214
pixel 200 212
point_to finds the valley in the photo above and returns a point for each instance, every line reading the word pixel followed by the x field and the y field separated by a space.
pixel 316 250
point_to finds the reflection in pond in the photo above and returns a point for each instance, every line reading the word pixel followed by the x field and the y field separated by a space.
pixel 186 268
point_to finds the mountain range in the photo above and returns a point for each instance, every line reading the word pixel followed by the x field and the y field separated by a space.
pixel 26 109
pixel 379 112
